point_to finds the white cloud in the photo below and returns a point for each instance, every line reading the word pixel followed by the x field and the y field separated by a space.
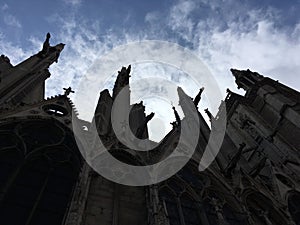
pixel 241 39
pixel 11 20
pixel 83 47
pixel 36 43
pixel 16 54
pixel 265 49
pixel 250 40
pixel 73 2
pixel 179 18
pixel 152 17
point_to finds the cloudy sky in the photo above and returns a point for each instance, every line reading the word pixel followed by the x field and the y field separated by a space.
pixel 263 36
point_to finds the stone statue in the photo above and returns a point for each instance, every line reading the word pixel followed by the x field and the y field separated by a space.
pixel 198 97
pixel 58 48
pixel 210 116
pixel 143 126
pixel 46 45
pixel 149 117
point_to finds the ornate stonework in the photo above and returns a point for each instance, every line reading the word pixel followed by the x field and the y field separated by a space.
pixel 45 180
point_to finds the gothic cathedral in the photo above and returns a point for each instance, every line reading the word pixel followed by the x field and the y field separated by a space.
pixel 44 179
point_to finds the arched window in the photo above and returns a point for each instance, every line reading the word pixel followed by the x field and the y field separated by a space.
pixel 181 207
pixel 36 134
pixel 10 160
pixel 21 198
pixel 55 198
pixel 42 189
pixel 191 198
pixel 11 156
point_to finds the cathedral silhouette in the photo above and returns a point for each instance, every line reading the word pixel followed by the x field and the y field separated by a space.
pixel 44 179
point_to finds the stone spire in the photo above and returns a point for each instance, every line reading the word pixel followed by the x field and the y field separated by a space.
pixel 122 80
pixel 25 82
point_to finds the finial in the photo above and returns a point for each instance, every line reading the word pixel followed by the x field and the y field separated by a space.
pixel 128 70
pixel 46 45
pixel 210 116
pixel 178 121
pixel 176 115
pixel 68 91
pixel 198 97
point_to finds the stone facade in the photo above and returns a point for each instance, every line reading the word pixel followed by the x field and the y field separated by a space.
pixel 44 180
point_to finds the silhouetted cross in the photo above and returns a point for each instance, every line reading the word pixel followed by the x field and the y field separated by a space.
pixel 68 91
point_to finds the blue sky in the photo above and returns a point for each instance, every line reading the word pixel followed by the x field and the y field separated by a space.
pixel 263 36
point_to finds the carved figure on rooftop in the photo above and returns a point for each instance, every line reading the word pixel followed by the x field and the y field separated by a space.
pixel 210 116
pixel 198 97
pixel 46 45
pixel 143 126
pixel 178 121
